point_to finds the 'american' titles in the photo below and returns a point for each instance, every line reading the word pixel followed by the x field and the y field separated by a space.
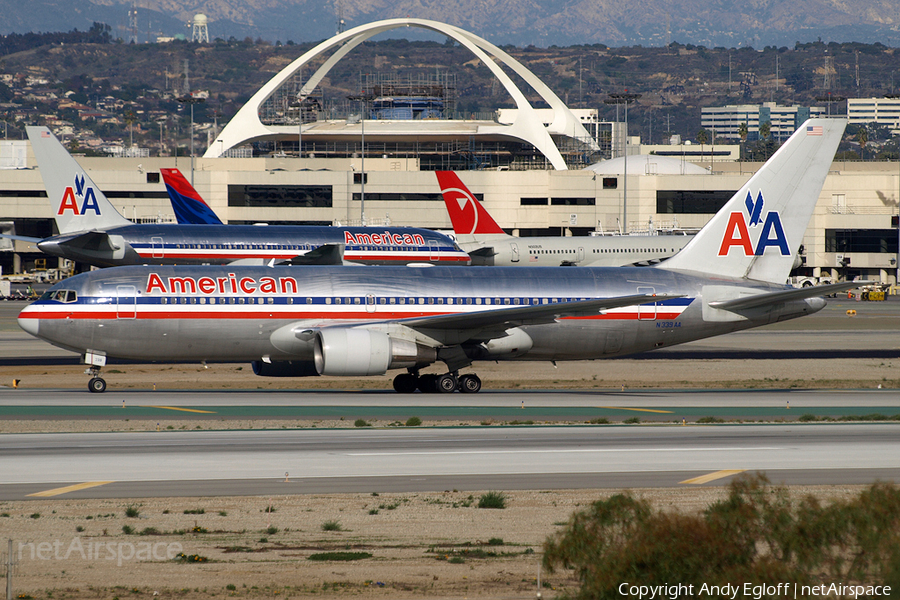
pixel 397 239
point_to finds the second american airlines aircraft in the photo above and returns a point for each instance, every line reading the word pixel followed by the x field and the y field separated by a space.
pixel 355 321
pixel 479 234
pixel 92 231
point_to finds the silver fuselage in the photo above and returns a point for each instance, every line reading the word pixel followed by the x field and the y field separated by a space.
pixel 236 313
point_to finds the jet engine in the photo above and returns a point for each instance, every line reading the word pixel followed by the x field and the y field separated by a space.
pixel 356 352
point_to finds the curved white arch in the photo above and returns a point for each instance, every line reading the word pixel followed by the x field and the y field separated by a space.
pixel 247 127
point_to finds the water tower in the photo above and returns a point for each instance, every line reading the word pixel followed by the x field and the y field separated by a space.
pixel 201 31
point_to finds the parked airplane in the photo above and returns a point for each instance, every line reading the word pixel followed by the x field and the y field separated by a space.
pixel 358 321
pixel 92 231
pixel 189 206
pixel 478 233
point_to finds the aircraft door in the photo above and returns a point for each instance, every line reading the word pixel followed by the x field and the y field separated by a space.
pixel 433 250
pixel 580 256
pixel 126 302
pixel 159 250
pixel 370 303
pixel 646 312
pixel 514 247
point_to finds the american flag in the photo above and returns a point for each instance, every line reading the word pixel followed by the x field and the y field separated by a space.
pixel 532 258
pixel 813 130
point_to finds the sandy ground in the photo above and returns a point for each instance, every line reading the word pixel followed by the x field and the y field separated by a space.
pixel 422 545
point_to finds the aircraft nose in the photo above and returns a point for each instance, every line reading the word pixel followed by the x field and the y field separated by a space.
pixel 29 322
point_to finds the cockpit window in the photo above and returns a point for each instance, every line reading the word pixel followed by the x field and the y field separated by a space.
pixel 60 295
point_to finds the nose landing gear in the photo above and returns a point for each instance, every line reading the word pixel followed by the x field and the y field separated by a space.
pixel 97 384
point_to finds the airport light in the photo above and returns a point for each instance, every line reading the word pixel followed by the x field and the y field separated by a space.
pixel 625 99
pixel 192 100
pixel 830 99
pixel 298 104
pixel 363 104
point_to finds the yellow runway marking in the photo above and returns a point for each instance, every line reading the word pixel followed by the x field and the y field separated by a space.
pixel 665 412
pixel 194 410
pixel 69 488
pixel 713 476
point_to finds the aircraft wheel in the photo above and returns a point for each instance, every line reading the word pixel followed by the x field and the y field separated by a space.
pixel 426 383
pixel 405 383
pixel 97 385
pixel 470 384
pixel 446 384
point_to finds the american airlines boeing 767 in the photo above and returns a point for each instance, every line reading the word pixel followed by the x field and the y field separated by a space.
pixel 355 321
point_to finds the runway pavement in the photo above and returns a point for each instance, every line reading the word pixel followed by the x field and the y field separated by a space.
pixel 663 406
pixel 191 463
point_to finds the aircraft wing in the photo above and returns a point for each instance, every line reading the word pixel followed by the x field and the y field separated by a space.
pixel 326 254
pixel 767 299
pixel 482 252
pixel 530 315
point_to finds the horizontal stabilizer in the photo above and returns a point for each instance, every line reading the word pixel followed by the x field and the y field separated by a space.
pixel 768 299
pixel 94 241
pixel 21 238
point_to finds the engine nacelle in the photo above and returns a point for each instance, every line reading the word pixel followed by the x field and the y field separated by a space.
pixel 515 343
pixel 356 352
pixel 285 368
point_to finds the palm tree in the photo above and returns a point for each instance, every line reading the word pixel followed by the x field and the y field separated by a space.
pixel 742 132
pixel 862 136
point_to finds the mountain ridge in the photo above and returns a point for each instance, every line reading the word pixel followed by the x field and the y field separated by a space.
pixel 542 23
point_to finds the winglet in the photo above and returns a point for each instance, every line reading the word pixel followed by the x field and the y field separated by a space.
pixel 77 203
pixel 189 206
pixel 466 212
pixel 757 234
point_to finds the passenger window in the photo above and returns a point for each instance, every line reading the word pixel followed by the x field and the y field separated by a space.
pixel 271 300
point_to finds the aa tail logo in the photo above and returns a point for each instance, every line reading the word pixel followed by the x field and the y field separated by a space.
pixel 70 199
pixel 737 231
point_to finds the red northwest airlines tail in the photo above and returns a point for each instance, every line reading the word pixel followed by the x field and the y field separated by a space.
pixel 466 213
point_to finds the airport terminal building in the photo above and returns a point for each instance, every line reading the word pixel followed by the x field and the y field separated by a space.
pixel 539 172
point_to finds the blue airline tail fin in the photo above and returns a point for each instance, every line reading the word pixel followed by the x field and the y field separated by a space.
pixel 189 206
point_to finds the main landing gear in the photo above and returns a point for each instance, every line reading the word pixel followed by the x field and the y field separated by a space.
pixel 97 384
pixel 407 383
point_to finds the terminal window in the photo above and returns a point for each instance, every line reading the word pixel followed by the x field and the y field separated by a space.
pixel 691 202
pixel 301 196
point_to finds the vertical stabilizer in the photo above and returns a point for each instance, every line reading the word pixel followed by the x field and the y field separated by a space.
pixel 466 212
pixel 757 234
pixel 189 206
pixel 77 203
